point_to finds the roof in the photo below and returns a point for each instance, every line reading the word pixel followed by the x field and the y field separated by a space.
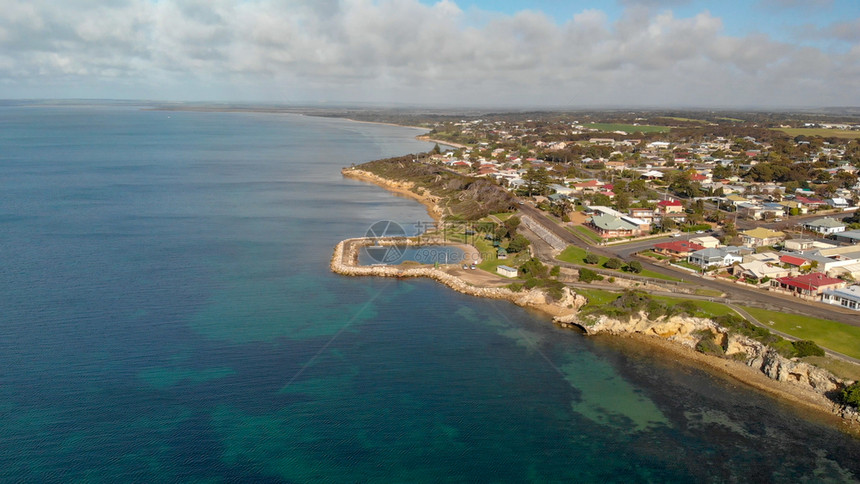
pixel 670 203
pixel 679 246
pixel 763 233
pixel 608 222
pixel 851 234
pixel 826 222
pixel 790 259
pixel 851 293
pixel 717 252
pixel 810 281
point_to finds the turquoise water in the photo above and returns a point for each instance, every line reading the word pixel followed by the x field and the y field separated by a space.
pixel 168 316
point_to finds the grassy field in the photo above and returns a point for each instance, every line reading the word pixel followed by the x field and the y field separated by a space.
pixel 840 368
pixel 823 132
pixel 628 128
pixel 575 255
pixel 584 232
pixel 836 336
pixel 706 309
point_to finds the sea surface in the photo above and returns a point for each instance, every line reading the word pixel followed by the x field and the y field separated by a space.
pixel 167 315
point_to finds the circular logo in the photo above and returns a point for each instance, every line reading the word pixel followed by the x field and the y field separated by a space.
pixel 390 243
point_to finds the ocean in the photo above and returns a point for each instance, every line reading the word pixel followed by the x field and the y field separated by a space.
pixel 168 315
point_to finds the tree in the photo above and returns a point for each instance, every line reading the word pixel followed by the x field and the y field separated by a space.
pixel 537 181
pixel 622 201
pixel 634 266
pixel 850 395
pixel 555 271
pixel 518 244
pixel 436 149
pixel 591 259
pixel 613 263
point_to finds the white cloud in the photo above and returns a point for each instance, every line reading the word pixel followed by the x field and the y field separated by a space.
pixel 403 51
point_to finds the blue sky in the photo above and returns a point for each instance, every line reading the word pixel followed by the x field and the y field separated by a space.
pixel 544 53
pixel 781 19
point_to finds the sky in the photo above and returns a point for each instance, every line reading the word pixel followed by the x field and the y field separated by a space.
pixel 561 54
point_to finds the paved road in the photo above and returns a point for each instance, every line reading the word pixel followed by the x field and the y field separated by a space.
pixel 737 293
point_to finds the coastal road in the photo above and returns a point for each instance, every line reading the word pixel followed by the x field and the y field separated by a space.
pixel 735 293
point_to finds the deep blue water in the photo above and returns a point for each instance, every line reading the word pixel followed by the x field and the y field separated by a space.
pixel 168 315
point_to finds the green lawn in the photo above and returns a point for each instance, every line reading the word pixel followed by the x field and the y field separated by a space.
pixel 585 233
pixel 575 255
pixel 628 128
pixel 707 309
pixel 651 253
pixel 833 335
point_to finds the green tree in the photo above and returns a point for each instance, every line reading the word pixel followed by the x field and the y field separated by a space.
pixel 588 275
pixel 537 181
pixel 851 395
pixel 518 244
pixel 555 271
pixel 591 259
pixel 634 266
pixel 613 263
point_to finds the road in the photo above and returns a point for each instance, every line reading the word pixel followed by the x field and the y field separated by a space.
pixel 736 293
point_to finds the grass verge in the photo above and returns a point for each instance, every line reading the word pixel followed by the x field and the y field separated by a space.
pixel 828 334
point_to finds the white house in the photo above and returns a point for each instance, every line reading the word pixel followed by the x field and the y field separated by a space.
pixel 720 257
pixel 825 225
pixel 848 297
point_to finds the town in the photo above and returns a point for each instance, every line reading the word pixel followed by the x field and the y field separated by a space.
pixel 774 210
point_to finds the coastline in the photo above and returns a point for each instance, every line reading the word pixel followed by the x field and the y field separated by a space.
pixel 564 313
pixel 431 202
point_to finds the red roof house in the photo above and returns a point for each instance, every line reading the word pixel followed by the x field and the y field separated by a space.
pixel 808 284
pixel 670 206
pixel 677 248
pixel 792 260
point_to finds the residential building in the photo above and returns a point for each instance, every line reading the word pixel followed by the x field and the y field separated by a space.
pixel 808 285
pixel 825 226
pixel 761 237
pixel 848 297
pixel 720 257
pixel 611 226
pixel 706 241
pixel 677 248
pixel 670 206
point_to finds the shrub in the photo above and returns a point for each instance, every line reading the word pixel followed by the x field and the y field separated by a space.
pixel 634 267
pixel 708 346
pixel 515 286
pixel 613 263
pixel 533 268
pixel 591 259
pixel 807 348
pixel 518 244
pixel 588 275
pixel 851 395
pixel 555 271
pixel 531 282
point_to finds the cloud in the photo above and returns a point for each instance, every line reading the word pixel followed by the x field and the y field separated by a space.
pixel 806 4
pixel 403 51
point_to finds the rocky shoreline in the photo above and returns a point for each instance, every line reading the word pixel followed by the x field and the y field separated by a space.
pixel 747 360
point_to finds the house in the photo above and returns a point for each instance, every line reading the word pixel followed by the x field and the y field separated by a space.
pixel 645 214
pixel 670 206
pixel 799 244
pixel 809 285
pixel 706 241
pixel 757 269
pixel 677 248
pixel 848 297
pixel 825 226
pixel 720 257
pixel 761 237
pixel 611 226
pixel 793 261
pixel 506 271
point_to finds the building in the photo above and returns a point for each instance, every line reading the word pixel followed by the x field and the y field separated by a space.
pixel 609 226
pixel 706 241
pixel 849 236
pixel 808 285
pixel 825 226
pixel 720 257
pixel 761 237
pixel 670 206
pixel 506 271
pixel 677 248
pixel 757 269
pixel 848 297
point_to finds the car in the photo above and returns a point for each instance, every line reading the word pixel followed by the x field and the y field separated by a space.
pixel 700 231
pixel 676 234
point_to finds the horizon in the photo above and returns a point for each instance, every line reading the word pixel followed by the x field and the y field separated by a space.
pixel 542 54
